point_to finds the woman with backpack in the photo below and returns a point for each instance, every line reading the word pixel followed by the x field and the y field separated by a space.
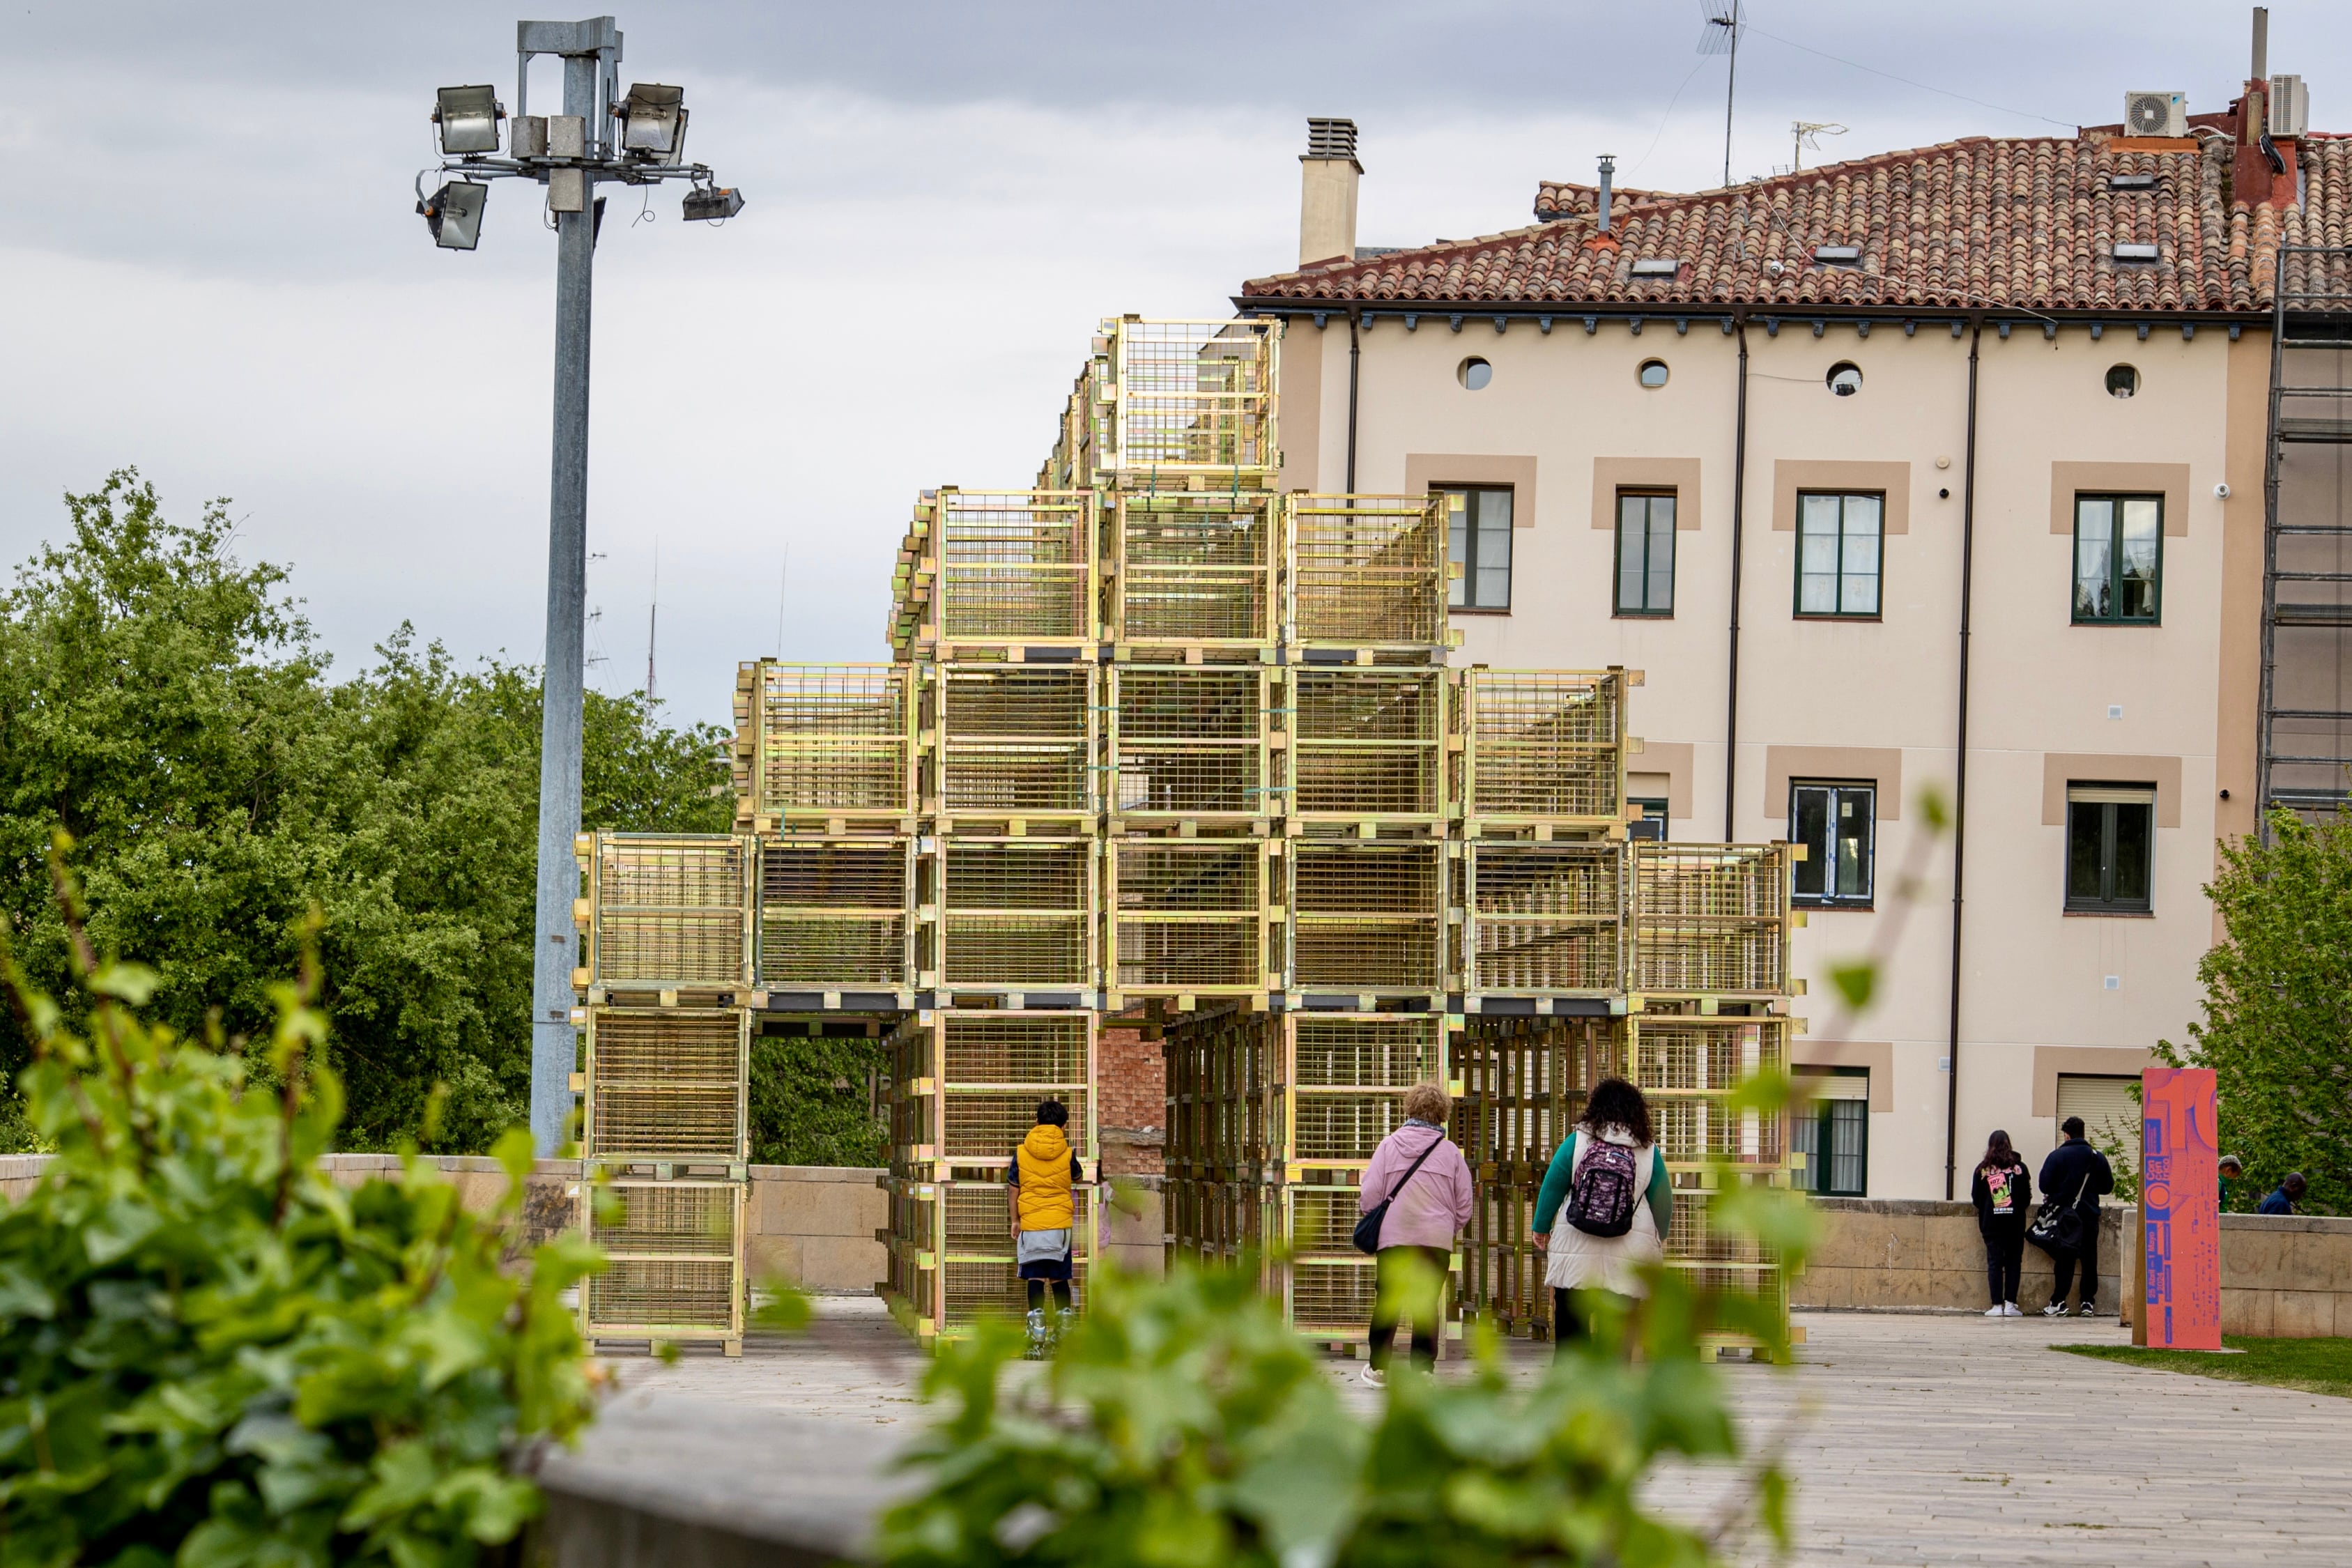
pixel 1605 1206
pixel 1414 1199
pixel 2001 1192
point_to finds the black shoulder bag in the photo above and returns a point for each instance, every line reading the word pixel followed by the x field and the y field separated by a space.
pixel 2056 1229
pixel 1368 1229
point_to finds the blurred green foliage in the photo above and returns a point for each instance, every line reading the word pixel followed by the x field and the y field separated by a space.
pixel 216 1356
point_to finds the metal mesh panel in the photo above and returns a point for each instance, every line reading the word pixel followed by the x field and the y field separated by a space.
pixel 1015 912
pixel 979 1218
pixel 1189 742
pixel 1713 1055
pixel 1015 739
pixel 672 1259
pixel 670 911
pixel 834 914
pixel 832 740
pixel 1543 743
pixel 1392 1052
pixel 1025 1049
pixel 1335 1124
pixel 1367 917
pixel 666 1083
pixel 1696 1130
pixel 1544 917
pixel 1367 742
pixel 1016 565
pixel 1322 1219
pixel 1196 567
pixel 1367 570
pixel 1192 396
pixel 1332 1295
pixel 982 1126
pixel 1190 914
pixel 1710 918
pixel 972 1290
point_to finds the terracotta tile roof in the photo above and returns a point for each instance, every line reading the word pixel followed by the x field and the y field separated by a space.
pixel 2030 223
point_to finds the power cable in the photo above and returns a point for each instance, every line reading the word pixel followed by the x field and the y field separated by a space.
pixel 1906 81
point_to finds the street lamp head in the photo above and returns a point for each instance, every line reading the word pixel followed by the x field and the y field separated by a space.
pixel 711 203
pixel 653 122
pixel 454 214
pixel 468 118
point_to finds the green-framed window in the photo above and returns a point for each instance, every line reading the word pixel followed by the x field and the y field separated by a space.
pixel 1830 1126
pixel 1646 553
pixel 1478 535
pixel 1839 542
pixel 2118 560
pixel 2110 848
pixel 1838 825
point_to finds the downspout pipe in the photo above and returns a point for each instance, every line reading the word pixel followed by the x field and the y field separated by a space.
pixel 1960 775
pixel 1739 535
pixel 1355 364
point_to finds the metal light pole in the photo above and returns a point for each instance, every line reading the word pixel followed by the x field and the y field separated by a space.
pixel 598 138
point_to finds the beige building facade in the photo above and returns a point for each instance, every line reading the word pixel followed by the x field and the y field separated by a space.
pixel 2068 454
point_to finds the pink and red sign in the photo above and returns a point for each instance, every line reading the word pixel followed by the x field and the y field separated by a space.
pixel 2180 1209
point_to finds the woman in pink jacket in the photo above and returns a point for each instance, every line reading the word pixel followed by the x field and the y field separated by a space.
pixel 1422 1175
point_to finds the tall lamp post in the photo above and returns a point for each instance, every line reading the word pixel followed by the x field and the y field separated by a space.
pixel 602 137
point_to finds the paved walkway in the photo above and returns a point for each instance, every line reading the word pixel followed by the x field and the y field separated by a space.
pixel 1915 1439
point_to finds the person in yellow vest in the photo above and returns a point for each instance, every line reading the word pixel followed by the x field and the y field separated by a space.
pixel 1044 1174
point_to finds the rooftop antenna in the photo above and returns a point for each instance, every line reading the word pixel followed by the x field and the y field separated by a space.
pixel 1808 133
pixel 653 619
pixel 1724 21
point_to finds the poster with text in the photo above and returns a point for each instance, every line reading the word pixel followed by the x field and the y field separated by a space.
pixel 2181 1208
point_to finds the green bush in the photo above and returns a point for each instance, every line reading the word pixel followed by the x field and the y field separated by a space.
pixel 212 1354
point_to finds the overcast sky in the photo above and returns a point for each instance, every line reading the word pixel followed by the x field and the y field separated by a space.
pixel 210 265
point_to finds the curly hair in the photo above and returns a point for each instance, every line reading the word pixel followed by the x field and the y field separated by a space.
pixel 1613 1103
pixel 1428 1102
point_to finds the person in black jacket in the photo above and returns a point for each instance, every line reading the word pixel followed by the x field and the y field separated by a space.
pixel 2077 1175
pixel 2001 1192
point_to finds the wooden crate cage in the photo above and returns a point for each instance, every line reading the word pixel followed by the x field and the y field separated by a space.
pixel 1368 917
pixel 828 747
pixel 1179 397
pixel 1195 574
pixel 667 913
pixel 1709 920
pixel 674 1270
pixel 1009 745
pixel 1367 576
pixel 666 1085
pixel 1190 917
pixel 1007 914
pixel 1542 919
pixel 1011 570
pixel 1540 748
pixel 1367 748
pixel 966 1085
pixel 836 914
pixel 1191 745
pixel 1688 1065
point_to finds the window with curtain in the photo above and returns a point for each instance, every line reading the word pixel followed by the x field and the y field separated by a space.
pixel 1838 541
pixel 2110 848
pixel 1646 553
pixel 1837 823
pixel 2118 560
pixel 1478 535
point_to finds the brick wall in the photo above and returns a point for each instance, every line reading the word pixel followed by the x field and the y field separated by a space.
pixel 1131 1076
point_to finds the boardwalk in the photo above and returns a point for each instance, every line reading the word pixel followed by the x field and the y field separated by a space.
pixel 1916 1439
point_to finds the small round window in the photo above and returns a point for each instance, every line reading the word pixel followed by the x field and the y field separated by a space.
pixel 1473 372
pixel 1845 378
pixel 2123 381
pixel 1654 372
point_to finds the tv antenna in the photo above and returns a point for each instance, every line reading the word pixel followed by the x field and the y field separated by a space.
pixel 1722 23
pixel 1808 133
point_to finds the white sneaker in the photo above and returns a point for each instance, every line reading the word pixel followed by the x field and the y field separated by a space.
pixel 2055 1310
pixel 1996 1311
pixel 2011 1309
pixel 1374 1376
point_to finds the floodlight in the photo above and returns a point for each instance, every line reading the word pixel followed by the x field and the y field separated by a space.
pixel 454 214
pixel 468 118
pixel 710 204
pixel 652 121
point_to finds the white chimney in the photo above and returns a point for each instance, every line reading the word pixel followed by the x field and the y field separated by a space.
pixel 1328 175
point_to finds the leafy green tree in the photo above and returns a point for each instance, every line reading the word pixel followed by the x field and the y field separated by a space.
pixel 168 706
pixel 214 1355
pixel 812 1102
pixel 2277 1029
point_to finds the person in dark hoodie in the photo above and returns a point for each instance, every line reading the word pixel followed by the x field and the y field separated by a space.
pixel 2002 1192
pixel 2077 1176
pixel 1045 1175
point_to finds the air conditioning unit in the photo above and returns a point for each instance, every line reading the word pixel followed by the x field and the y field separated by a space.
pixel 2155 115
pixel 2290 107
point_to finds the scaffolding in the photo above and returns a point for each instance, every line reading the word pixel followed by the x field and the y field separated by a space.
pixel 2305 758
pixel 666 913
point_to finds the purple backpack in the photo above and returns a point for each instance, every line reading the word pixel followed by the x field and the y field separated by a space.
pixel 1602 1198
